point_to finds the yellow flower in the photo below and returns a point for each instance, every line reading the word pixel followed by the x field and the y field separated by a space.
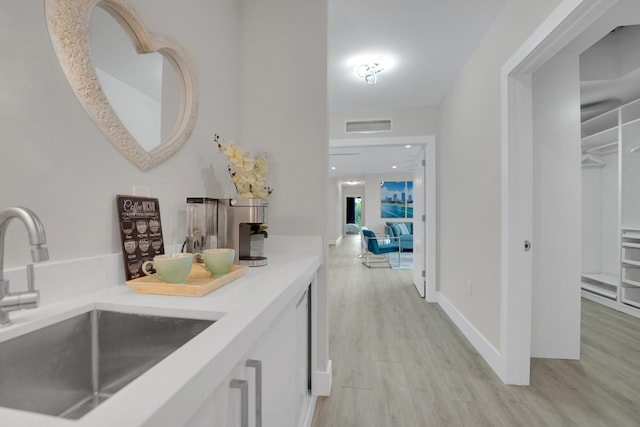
pixel 247 172
pixel 231 150
pixel 261 192
pixel 248 163
pixel 261 165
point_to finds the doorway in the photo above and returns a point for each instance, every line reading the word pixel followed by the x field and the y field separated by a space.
pixel 569 20
pixel 423 163
pixel 354 210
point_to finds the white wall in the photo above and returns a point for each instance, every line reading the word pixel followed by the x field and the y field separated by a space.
pixel 469 181
pixel 557 210
pixel 56 161
pixel 372 200
pixel 404 122
pixel 283 111
pixel 334 210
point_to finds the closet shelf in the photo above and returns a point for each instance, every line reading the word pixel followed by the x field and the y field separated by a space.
pixel 605 285
pixel 600 139
pixel 631 302
pixel 607 279
pixel 631 282
pixel 606 142
pixel 599 123
pixel 603 149
pixel 630 112
pixel 631 122
pixel 631 234
pixel 600 291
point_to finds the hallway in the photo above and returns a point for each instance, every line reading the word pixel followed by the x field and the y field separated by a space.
pixel 399 361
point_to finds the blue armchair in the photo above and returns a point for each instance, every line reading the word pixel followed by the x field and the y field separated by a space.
pixel 374 245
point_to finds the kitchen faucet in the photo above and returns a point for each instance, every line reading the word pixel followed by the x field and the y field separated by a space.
pixel 30 298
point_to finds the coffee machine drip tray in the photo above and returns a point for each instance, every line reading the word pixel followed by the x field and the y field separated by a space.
pixel 253 261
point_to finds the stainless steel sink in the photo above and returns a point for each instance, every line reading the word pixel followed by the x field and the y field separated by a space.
pixel 69 368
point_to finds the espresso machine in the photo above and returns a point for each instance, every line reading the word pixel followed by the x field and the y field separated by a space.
pixel 202 224
pixel 242 226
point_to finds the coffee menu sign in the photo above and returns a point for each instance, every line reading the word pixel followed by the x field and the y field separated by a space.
pixel 140 232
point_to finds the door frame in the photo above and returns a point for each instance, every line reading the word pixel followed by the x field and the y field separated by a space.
pixel 419 223
pixel 431 224
pixel 430 194
pixel 569 19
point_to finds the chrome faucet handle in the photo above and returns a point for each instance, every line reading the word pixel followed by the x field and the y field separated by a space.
pixel 30 298
pixel 31 278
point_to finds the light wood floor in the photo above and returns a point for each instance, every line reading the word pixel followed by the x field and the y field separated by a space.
pixel 399 361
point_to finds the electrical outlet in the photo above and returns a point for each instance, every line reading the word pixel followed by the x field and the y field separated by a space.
pixel 470 287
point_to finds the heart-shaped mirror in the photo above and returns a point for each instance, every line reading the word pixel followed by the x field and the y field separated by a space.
pixel 69 24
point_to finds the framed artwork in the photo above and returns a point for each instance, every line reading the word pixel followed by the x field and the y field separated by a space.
pixel 396 199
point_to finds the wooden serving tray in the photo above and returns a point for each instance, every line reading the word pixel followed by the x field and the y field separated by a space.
pixel 198 283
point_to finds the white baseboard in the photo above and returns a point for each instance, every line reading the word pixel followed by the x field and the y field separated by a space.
pixel 323 381
pixel 477 340
pixel 311 408
pixel 336 242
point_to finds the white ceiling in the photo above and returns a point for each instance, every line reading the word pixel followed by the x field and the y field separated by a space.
pixel 423 45
pixel 352 163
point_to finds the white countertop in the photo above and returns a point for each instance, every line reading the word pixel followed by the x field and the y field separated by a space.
pixel 174 388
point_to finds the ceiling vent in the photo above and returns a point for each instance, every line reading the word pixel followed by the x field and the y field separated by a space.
pixel 366 126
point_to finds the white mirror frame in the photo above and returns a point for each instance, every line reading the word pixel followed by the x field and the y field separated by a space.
pixel 68 22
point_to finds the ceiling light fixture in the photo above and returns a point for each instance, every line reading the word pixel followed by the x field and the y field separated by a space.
pixel 369 71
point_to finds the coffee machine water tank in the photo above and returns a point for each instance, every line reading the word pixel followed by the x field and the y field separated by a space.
pixel 201 224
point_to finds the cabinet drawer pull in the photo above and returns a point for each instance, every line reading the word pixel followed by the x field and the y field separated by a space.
pixel 243 385
pixel 257 364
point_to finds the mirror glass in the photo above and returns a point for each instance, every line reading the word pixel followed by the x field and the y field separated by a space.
pixel 142 88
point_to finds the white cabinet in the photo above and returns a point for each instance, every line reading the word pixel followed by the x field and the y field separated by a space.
pixel 303 356
pixel 611 208
pixel 630 267
pixel 269 372
pixel 223 408
pixel 277 352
